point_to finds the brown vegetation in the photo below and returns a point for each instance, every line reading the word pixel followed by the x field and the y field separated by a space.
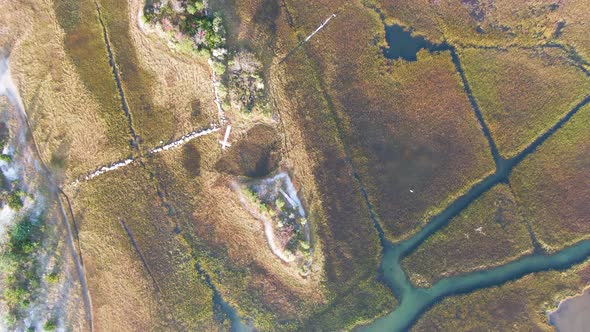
pixel 490 232
pixel 256 154
pixel 409 126
pixel 516 306
pixel 522 92
pixel 552 184
pixel 126 295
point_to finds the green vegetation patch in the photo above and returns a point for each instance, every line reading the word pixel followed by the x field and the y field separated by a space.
pixel 522 92
pixel 84 44
pixel 21 268
pixel 490 232
pixel 552 184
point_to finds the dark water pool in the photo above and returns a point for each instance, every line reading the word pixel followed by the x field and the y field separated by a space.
pixel 403 45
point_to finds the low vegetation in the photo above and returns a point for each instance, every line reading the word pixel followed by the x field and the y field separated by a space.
pixel 20 268
pixel 490 24
pixel 245 83
pixel 230 245
pixel 153 122
pixel 408 126
pixel 256 154
pixel 143 272
pixel 490 232
pixel 519 305
pixel 340 216
pixel 21 264
pixel 521 93
pixel 271 200
pixel 84 45
pixel 192 27
pixel 552 184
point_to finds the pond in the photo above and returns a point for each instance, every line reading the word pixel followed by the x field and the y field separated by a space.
pixel 404 45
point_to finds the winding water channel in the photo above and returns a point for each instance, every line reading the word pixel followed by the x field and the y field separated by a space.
pixel 415 301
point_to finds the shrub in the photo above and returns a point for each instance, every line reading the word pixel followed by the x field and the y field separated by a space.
pixel 14 200
pixel 5 158
pixel 50 325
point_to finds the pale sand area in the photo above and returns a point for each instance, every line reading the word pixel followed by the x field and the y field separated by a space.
pixel 572 315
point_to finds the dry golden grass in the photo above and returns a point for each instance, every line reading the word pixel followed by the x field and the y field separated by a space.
pixel 234 239
pixel 169 294
pixel 178 81
pixel 61 111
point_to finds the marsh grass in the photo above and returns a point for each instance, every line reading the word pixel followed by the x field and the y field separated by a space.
pixel 462 247
pixel 130 194
pixel 522 92
pixel 153 122
pixel 84 44
pixel 517 305
pixel 552 184
pixel 408 126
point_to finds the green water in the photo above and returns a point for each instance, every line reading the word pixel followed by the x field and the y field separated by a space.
pixel 415 301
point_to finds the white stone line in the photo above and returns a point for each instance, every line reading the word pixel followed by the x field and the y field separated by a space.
pixel 217 99
pixel 103 170
pixel 119 164
pixel 319 28
pixel 184 139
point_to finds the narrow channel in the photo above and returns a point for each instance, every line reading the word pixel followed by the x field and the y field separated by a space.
pixel 117 76
pixel 415 301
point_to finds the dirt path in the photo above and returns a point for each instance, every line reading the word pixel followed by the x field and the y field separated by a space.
pixel 8 88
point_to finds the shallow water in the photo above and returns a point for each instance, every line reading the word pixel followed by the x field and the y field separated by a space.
pixel 415 301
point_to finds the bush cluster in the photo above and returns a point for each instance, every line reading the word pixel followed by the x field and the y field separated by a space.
pixel 246 86
pixel 21 268
pixel 190 23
